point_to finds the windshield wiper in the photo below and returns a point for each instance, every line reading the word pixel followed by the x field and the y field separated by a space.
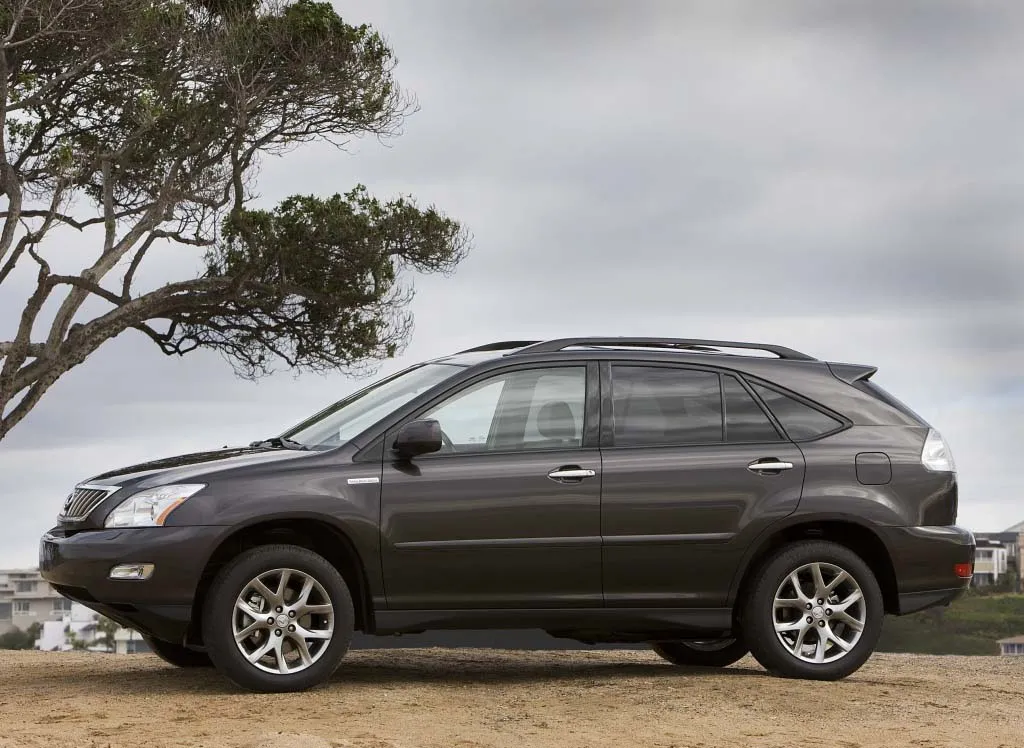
pixel 280 442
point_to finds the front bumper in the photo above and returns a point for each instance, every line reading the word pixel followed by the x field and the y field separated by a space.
pixel 924 559
pixel 77 565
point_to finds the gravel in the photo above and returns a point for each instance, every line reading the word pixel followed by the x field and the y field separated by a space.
pixel 447 698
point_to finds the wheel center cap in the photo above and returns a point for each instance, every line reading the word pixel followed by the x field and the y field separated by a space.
pixel 818 612
pixel 282 620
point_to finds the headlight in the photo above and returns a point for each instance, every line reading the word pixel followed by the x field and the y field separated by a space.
pixel 150 508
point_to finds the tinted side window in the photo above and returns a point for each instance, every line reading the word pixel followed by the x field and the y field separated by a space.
pixel 800 421
pixel 659 405
pixel 745 421
pixel 516 411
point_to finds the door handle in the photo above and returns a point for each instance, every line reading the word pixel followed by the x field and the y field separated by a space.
pixel 769 466
pixel 571 473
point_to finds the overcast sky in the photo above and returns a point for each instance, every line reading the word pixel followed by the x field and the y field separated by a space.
pixel 846 178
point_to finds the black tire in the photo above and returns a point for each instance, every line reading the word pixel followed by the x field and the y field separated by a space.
pixel 219 618
pixel 758 620
pixel 176 654
pixel 708 653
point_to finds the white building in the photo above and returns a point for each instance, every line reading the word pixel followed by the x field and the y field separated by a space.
pixel 26 598
pixel 79 624
pixel 989 562
pixel 1012 646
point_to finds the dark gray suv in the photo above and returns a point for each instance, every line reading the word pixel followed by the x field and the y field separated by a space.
pixel 707 497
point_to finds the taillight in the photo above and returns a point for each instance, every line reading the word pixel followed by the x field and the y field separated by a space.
pixel 935 455
pixel 964 571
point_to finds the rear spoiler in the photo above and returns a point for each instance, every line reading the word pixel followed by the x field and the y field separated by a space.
pixel 851 373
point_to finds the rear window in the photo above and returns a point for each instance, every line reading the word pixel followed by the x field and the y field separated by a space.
pixel 801 421
pixel 661 406
pixel 745 421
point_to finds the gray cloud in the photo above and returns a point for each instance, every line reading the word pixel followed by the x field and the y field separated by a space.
pixel 842 177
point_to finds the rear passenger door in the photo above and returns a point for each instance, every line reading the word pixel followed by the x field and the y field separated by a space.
pixel 683 490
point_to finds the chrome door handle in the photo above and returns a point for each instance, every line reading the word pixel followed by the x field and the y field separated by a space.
pixel 769 466
pixel 560 474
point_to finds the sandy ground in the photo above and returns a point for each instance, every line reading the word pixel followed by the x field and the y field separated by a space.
pixel 468 698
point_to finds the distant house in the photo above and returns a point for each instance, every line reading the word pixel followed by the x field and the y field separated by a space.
pixel 1012 646
pixel 990 557
pixel 26 598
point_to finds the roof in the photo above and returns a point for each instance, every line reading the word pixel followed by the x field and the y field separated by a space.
pixel 1013 640
pixel 1019 527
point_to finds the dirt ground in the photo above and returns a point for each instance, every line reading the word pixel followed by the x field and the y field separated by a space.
pixel 468 698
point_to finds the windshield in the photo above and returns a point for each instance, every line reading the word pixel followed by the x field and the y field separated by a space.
pixel 337 424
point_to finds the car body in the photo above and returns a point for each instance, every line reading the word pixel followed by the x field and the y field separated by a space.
pixel 604 489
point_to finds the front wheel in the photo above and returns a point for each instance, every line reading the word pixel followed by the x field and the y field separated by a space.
pixel 278 618
pixel 703 653
pixel 816 612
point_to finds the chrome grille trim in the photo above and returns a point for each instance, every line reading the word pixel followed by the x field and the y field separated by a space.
pixel 80 502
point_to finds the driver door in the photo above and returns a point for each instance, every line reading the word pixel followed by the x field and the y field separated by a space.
pixel 508 513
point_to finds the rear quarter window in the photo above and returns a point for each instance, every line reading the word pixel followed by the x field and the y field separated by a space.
pixel 801 421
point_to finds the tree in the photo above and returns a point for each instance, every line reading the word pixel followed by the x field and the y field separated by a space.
pixel 138 124
pixel 18 639
pixel 105 629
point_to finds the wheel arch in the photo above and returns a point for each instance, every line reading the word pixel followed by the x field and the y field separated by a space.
pixel 317 534
pixel 845 531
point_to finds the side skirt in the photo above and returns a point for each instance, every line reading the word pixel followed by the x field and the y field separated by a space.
pixel 654 622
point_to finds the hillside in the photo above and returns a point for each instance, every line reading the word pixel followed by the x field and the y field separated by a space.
pixel 970 626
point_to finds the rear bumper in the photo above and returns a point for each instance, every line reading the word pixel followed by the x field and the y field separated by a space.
pixel 924 559
pixel 78 565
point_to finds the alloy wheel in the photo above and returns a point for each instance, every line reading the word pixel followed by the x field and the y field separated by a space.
pixel 819 612
pixel 283 621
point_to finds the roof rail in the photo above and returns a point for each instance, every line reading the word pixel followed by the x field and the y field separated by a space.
pixel 501 345
pixel 694 344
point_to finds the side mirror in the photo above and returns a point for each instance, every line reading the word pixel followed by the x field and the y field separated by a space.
pixel 417 438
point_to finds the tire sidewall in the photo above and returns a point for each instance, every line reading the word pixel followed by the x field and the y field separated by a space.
pixel 759 622
pixel 218 612
pixel 680 653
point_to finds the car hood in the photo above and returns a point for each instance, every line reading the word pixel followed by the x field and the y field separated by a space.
pixel 191 466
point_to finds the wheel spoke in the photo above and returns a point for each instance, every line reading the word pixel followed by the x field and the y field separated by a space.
pixel 282 586
pixel 282 663
pixel 842 643
pixel 303 649
pixel 843 617
pixel 798 644
pixel 819 581
pixel 261 652
pixel 797 625
pixel 313 633
pixel 268 594
pixel 249 630
pixel 250 611
pixel 839 579
pixel 854 597
pixel 794 579
pixel 303 597
pixel 788 602
pixel 819 649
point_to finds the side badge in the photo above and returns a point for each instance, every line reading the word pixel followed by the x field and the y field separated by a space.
pixel 362 481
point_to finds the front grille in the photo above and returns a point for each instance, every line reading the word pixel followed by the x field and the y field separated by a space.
pixel 83 500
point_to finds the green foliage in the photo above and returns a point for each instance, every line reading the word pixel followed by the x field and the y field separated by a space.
pixel 971 625
pixel 106 630
pixel 18 639
pixel 146 121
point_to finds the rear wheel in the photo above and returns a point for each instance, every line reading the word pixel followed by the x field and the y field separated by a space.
pixel 816 612
pixel 702 653
pixel 176 654
pixel 278 618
